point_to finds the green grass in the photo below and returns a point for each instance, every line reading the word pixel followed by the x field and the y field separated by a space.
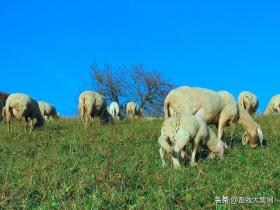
pixel 118 167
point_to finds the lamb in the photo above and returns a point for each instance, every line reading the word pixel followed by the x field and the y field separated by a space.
pixel 273 106
pixel 133 110
pixel 92 104
pixel 248 101
pixel 48 110
pixel 180 130
pixel 115 111
pixel 217 108
pixel 19 105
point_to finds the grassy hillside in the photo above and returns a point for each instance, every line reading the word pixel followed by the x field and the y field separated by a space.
pixel 118 167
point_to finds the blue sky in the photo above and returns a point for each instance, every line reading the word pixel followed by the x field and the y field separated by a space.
pixel 46 47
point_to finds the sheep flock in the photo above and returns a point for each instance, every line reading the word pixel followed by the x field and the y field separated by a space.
pixel 188 114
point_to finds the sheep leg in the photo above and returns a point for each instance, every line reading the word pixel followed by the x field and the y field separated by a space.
pixel 8 118
pixel 194 149
pixel 278 108
pixel 26 124
pixel 184 155
pixel 222 124
pixel 193 155
pixel 165 147
pixel 162 153
pixel 87 119
pixel 175 159
pixel 91 120
pixel 100 121
pixel 221 130
pixel 30 124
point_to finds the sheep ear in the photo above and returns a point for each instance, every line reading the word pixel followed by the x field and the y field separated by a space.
pixel 260 134
pixel 244 138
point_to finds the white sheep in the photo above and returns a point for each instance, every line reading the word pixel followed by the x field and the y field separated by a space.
pixel 3 98
pixel 1 110
pixel 133 110
pixel 180 130
pixel 92 104
pixel 115 111
pixel 248 101
pixel 273 106
pixel 217 108
pixel 19 105
pixel 48 110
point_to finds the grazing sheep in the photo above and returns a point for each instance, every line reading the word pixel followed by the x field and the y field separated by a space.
pixel 1 110
pixel 3 98
pixel 133 110
pixel 115 111
pixel 180 130
pixel 48 110
pixel 273 106
pixel 19 105
pixel 217 108
pixel 92 104
pixel 248 101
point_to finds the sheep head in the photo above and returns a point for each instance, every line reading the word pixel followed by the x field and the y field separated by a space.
pixel 215 145
pixel 219 149
pixel 254 137
pixel 253 133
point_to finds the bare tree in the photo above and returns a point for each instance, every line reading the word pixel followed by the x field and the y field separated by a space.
pixel 148 89
pixel 109 82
